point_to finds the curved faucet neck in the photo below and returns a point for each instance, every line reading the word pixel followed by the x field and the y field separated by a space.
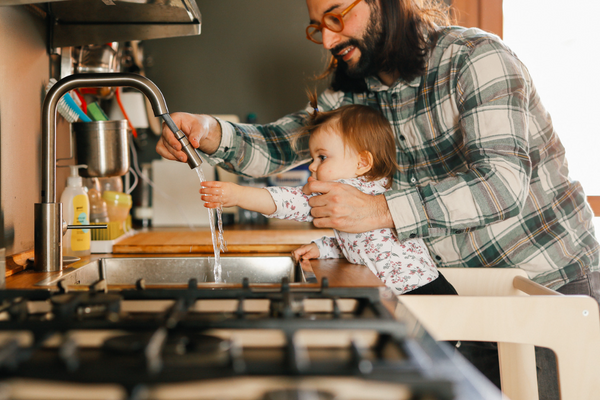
pixel 48 213
pixel 143 84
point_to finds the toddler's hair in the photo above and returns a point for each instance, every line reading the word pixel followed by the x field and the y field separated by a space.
pixel 362 128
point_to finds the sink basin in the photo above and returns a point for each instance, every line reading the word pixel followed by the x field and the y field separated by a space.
pixel 179 270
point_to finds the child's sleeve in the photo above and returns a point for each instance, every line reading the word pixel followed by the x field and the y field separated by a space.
pixel 291 203
pixel 329 247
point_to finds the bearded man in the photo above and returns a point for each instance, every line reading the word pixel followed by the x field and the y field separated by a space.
pixel 482 176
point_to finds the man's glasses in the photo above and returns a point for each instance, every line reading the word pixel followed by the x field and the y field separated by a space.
pixel 333 22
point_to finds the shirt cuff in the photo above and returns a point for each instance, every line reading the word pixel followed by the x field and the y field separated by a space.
pixel 226 146
pixel 275 193
pixel 328 247
pixel 321 246
pixel 408 213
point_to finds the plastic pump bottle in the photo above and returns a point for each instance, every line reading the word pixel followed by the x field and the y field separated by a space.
pixel 98 210
pixel 76 211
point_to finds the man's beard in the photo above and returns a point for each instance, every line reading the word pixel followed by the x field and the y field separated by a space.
pixel 351 78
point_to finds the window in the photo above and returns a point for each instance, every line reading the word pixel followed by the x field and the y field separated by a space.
pixel 557 44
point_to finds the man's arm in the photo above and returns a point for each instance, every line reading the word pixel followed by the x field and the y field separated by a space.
pixel 246 149
pixel 486 154
pixel 252 150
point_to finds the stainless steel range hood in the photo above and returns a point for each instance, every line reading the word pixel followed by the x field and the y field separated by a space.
pixel 81 22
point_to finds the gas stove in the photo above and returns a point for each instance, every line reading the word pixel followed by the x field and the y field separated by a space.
pixel 247 342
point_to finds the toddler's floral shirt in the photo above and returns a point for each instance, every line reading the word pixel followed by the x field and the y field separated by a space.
pixel 402 265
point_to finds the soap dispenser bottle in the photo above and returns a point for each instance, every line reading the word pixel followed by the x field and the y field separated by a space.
pixel 76 211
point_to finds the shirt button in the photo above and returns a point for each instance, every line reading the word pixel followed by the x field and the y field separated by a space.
pixel 394 95
pixel 412 235
pixel 438 258
pixel 458 231
pixel 413 180
pixel 402 137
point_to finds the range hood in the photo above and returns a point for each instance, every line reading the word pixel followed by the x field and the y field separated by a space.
pixel 82 22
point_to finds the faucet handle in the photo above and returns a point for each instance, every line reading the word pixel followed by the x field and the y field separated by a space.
pixel 193 158
pixel 99 226
pixel 65 227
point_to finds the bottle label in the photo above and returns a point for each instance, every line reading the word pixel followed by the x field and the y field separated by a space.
pixel 80 238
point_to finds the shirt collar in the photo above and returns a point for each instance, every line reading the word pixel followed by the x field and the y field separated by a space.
pixel 375 85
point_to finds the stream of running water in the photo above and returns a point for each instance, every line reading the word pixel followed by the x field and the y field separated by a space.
pixel 218 241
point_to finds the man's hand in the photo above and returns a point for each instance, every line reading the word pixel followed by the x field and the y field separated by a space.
pixel 217 194
pixel 203 132
pixel 347 209
pixel 306 252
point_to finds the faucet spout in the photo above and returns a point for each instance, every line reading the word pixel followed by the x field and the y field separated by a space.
pixel 48 213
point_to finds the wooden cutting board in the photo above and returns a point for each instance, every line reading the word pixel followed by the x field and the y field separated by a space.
pixel 238 241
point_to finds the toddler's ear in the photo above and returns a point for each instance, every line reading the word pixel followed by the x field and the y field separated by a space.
pixel 365 162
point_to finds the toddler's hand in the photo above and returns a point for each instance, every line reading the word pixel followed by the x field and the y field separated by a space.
pixel 219 194
pixel 306 252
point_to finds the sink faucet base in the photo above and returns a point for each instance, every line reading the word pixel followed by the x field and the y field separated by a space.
pixel 48 237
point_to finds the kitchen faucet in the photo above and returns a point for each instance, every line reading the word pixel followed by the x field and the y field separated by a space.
pixel 48 214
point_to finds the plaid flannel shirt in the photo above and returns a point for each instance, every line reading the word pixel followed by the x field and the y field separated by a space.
pixel 483 177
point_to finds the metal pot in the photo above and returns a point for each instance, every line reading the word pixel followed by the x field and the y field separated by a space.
pixel 103 146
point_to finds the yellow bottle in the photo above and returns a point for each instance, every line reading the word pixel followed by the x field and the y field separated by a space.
pixel 76 211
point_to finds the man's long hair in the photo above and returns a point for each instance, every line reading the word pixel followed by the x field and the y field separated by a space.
pixel 408 33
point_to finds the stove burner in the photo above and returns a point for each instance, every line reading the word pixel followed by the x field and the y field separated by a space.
pixel 179 344
pixel 127 344
pixel 86 305
pixel 179 349
pixel 298 394
pixel 199 343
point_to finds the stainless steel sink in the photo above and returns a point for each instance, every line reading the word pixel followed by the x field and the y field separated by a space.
pixel 179 270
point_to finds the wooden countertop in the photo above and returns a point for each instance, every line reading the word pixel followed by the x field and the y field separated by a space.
pixel 185 243
pixel 238 241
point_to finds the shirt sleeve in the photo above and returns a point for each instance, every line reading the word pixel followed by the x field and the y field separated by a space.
pixel 262 150
pixel 492 91
pixel 291 203
pixel 329 247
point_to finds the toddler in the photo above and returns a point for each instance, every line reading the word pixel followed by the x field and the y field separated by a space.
pixel 353 144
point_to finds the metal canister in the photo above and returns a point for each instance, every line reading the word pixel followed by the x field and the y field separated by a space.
pixel 103 146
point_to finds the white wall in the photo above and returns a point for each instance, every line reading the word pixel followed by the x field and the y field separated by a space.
pixel 24 70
